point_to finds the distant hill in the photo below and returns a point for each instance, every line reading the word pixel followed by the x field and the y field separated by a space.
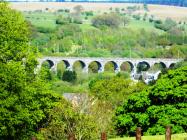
pixel 182 3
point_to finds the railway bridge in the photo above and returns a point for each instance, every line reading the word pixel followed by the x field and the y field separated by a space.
pixel 101 62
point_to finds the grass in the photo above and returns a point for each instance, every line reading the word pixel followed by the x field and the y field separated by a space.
pixel 158 137
pixel 43 19
pixel 140 24
pixel 47 20
pixel 86 27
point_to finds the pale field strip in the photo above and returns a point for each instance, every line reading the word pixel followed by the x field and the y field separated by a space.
pixel 160 11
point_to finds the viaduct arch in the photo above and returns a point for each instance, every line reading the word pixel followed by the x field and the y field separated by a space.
pixel 101 62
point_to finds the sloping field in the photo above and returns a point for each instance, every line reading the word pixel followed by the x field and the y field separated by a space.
pixel 160 11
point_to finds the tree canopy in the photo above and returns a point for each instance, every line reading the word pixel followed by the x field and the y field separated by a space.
pixel 111 20
pixel 25 99
pixel 164 103
pixel 115 90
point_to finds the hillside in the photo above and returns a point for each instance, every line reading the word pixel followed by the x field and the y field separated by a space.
pixel 177 13
pixel 160 2
pixel 116 30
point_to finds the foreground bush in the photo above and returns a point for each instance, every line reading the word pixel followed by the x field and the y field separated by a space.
pixel 153 109
pixel 66 119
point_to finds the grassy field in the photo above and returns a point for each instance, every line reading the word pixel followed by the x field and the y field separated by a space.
pixel 140 24
pixel 160 11
pixel 47 20
pixel 41 19
pixel 159 137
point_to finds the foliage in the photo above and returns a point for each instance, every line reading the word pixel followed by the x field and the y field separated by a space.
pixel 14 34
pixel 137 17
pixel 44 30
pixel 111 20
pixel 25 99
pixel 69 76
pixel 67 30
pixel 89 13
pixel 114 89
pixel 162 104
pixel 85 40
pixel 66 120
pixel 46 74
pixel 167 25
pixel 62 20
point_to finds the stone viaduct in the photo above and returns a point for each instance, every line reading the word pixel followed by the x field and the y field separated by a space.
pixel 101 62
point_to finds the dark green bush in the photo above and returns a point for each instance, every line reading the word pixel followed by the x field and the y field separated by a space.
pixel 89 13
pixel 137 17
pixel 67 10
pixel 44 30
pixel 111 20
pixel 69 76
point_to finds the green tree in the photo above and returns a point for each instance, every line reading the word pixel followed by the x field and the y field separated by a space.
pixel 114 89
pixel 166 25
pixel 63 20
pixel 162 104
pixel 66 120
pixel 69 76
pixel 65 44
pixel 25 99
pixel 111 20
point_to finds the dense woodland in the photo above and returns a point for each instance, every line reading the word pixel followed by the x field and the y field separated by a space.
pixel 32 104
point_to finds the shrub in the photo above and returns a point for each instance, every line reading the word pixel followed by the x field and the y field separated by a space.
pixel 60 10
pixel 69 76
pixel 66 10
pixel 67 119
pixel 89 13
pixel 137 17
pixel 111 20
pixel 44 30
pixel 151 19
pixel 77 20
pixel 62 21
pixel 158 21
pixel 167 25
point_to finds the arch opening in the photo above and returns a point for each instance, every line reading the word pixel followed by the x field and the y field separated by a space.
pixel 172 65
pixel 61 67
pixel 126 66
pixel 79 66
pixel 94 67
pixel 158 67
pixel 47 64
pixel 143 66
pixel 110 66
